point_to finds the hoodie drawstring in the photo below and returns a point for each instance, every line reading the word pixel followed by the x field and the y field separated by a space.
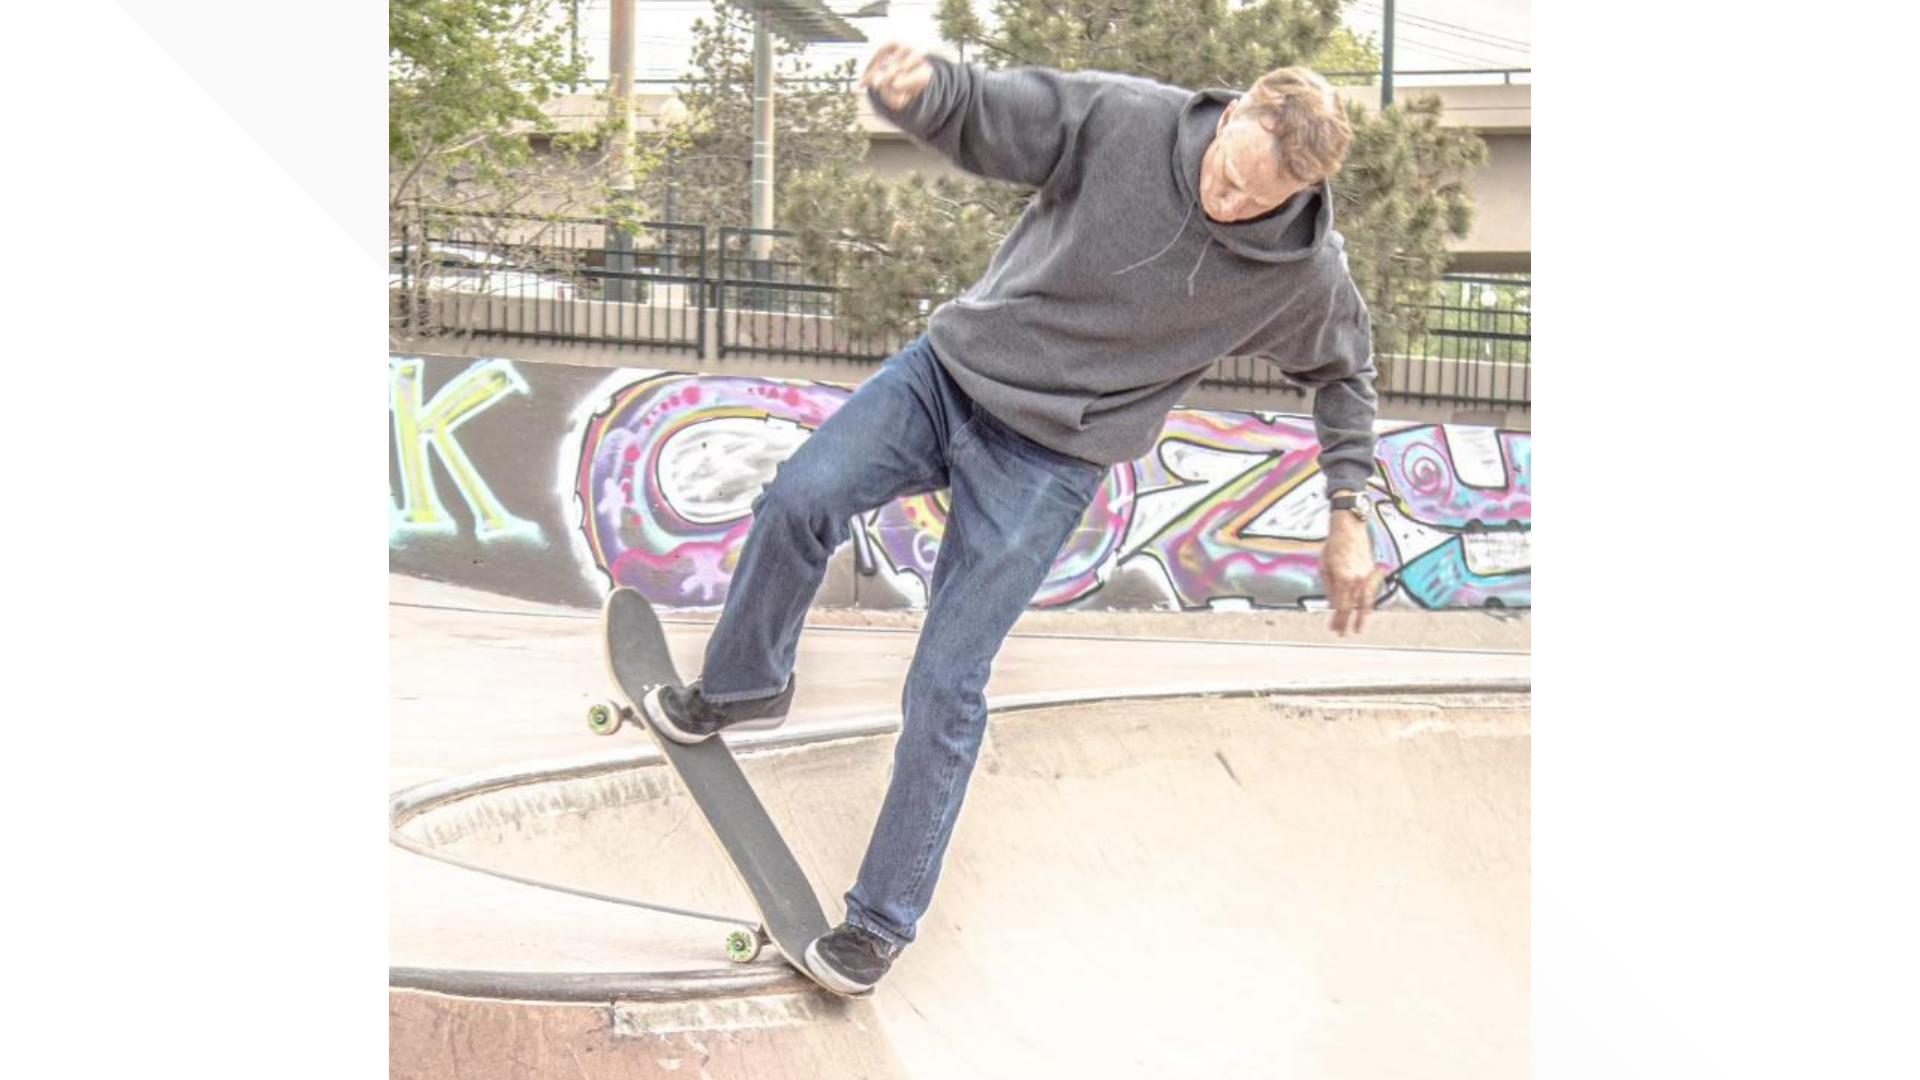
pixel 1169 247
pixel 1196 265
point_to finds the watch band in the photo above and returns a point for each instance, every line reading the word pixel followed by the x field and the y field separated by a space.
pixel 1353 502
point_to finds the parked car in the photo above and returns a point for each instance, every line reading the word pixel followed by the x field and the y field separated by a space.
pixel 469 268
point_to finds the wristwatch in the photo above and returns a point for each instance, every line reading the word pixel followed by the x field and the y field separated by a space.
pixel 1353 503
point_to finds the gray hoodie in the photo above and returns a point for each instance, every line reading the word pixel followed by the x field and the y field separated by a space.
pixel 1115 292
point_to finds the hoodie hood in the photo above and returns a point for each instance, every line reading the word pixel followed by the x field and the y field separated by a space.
pixel 1292 231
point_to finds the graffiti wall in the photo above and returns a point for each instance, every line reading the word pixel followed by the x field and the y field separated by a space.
pixel 473 449
pixel 555 483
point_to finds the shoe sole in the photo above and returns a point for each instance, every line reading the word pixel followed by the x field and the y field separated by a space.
pixel 665 725
pixel 832 979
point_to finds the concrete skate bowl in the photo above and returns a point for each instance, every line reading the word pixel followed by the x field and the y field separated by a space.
pixel 1265 884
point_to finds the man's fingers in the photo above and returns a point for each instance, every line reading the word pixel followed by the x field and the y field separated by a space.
pixel 877 65
pixel 1368 588
pixel 1352 600
pixel 886 61
pixel 893 66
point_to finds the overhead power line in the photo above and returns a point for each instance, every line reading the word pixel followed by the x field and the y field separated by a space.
pixel 1444 24
pixel 1452 50
pixel 1415 43
pixel 1438 26
pixel 1419 44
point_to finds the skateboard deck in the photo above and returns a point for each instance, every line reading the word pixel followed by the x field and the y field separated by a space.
pixel 790 913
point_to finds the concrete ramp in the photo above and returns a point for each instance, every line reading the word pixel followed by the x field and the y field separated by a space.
pixel 1267 885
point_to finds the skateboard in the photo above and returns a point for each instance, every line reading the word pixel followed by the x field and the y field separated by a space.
pixel 790 913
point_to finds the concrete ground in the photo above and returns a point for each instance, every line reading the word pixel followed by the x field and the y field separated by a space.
pixel 1242 885
pixel 479 680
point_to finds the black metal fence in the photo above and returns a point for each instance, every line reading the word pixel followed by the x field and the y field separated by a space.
pixel 560 279
pixel 658 285
pixel 1478 345
pixel 772 303
pixel 1476 350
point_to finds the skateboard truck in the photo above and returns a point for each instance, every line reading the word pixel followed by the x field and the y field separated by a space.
pixel 742 946
pixel 605 717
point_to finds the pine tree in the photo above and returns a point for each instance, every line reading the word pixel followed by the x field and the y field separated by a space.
pixel 896 249
pixel 1191 43
pixel 959 25
pixel 1400 196
pixel 816 124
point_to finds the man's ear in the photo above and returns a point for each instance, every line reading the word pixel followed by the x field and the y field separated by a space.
pixel 1225 116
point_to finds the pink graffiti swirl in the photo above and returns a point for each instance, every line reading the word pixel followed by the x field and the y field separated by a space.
pixel 1427 470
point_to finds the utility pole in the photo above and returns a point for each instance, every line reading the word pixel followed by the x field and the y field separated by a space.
pixel 762 245
pixel 807 21
pixel 1386 60
pixel 619 241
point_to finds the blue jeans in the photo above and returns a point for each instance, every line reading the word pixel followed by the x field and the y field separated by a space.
pixel 1012 503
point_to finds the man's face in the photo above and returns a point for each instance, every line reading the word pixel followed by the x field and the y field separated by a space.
pixel 1239 178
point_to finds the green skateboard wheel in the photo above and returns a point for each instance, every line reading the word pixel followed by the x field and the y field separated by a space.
pixel 743 946
pixel 603 718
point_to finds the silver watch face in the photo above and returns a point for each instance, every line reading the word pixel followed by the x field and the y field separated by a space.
pixel 1355 504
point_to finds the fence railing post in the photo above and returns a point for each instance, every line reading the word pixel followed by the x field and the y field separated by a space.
pixel 720 299
pixel 702 300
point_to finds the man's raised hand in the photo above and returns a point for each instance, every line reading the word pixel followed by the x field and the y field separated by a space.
pixel 897 73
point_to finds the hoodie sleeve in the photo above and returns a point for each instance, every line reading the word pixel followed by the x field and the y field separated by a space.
pixel 1013 125
pixel 1336 362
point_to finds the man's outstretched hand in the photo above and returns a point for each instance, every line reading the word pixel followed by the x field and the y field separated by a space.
pixel 1346 564
pixel 897 73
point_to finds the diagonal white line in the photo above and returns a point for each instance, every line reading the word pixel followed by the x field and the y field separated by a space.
pixel 299 82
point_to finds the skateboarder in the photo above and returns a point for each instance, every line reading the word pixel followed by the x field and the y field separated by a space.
pixel 1168 228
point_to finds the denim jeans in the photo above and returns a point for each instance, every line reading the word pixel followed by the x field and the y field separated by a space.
pixel 1012 504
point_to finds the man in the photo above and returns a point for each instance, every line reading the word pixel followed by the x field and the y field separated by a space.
pixel 1168 228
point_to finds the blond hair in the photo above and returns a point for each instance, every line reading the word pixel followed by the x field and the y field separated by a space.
pixel 1308 124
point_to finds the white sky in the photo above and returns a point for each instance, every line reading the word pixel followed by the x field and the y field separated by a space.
pixel 1431 34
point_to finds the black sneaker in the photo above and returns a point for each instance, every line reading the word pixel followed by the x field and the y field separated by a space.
pixel 849 960
pixel 686 716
